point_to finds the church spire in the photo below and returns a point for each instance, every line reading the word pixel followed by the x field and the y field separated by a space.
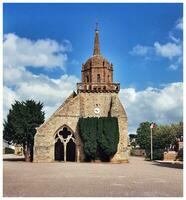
pixel 96 41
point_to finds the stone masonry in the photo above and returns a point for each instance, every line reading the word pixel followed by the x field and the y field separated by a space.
pixel 96 96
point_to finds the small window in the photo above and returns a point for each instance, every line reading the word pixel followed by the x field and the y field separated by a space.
pixel 87 79
pixel 108 78
pixel 98 78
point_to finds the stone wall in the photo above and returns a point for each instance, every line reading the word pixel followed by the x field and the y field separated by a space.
pixel 81 105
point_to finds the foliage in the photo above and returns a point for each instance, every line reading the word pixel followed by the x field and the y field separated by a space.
pixel 100 137
pixel 157 154
pixel 87 129
pixel 163 137
pixel 143 136
pixel 9 150
pixel 19 128
pixel 132 136
pixel 108 137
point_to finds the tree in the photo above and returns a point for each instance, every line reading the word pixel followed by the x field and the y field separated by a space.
pixel 19 128
pixel 143 136
pixel 132 139
pixel 163 137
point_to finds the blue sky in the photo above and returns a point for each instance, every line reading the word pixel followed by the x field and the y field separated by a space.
pixel 45 45
pixel 122 26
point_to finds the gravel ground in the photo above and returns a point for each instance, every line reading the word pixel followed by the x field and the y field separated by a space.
pixel 138 178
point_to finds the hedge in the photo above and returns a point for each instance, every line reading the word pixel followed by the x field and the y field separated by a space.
pixel 100 137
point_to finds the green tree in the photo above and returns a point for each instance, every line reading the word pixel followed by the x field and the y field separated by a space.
pixel 163 137
pixel 19 128
pixel 143 136
pixel 132 139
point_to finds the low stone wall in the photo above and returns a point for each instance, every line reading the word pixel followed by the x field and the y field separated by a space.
pixel 170 156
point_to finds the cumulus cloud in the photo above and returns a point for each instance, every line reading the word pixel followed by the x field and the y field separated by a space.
pixel 140 50
pixel 9 97
pixel 160 105
pixel 23 52
pixel 171 50
pixel 152 104
pixel 52 92
pixel 21 84
pixel 173 67
pixel 168 50
pixel 179 24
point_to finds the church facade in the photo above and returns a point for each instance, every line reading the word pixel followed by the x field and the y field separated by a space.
pixel 58 138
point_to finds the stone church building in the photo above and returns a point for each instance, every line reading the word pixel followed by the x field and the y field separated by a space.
pixel 58 139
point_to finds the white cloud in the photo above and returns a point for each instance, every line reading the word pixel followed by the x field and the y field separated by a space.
pixel 172 50
pixel 179 24
pixel 173 38
pixel 168 50
pixel 52 92
pixel 173 67
pixel 159 105
pixel 9 97
pixel 140 50
pixel 21 84
pixel 23 52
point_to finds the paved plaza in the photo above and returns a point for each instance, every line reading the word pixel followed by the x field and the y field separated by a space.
pixel 138 178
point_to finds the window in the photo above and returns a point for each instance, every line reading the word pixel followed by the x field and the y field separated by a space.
pixel 87 79
pixel 108 78
pixel 98 78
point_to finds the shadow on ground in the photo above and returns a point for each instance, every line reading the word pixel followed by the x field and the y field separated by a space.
pixel 170 165
pixel 13 159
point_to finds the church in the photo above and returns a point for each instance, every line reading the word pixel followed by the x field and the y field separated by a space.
pixel 58 138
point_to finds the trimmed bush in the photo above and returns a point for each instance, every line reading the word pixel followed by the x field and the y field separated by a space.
pixel 100 137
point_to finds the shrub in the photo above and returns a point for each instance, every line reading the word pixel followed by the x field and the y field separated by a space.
pixel 100 137
pixel 9 150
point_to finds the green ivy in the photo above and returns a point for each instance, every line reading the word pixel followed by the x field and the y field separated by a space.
pixel 100 137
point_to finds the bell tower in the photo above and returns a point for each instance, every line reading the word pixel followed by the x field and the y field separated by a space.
pixel 97 72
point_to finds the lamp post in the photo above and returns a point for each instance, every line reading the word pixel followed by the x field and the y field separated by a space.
pixel 153 125
pixel 151 144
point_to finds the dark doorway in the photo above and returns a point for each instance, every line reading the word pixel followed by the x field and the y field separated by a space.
pixel 59 151
pixel 71 151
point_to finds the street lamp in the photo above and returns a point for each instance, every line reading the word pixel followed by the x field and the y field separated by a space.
pixel 153 125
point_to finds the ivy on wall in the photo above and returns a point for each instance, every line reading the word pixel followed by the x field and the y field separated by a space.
pixel 100 137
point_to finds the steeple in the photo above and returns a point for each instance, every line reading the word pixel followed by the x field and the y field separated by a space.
pixel 96 41
pixel 97 72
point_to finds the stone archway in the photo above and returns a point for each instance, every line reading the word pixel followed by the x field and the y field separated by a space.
pixel 65 146
pixel 59 151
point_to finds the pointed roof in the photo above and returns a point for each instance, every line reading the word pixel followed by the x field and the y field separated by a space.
pixel 96 42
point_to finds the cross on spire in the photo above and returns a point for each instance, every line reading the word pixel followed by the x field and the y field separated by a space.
pixel 96 41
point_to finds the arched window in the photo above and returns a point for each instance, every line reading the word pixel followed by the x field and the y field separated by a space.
pixel 65 147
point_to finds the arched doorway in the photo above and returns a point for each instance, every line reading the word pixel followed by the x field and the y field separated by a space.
pixel 65 147
pixel 59 151
pixel 71 151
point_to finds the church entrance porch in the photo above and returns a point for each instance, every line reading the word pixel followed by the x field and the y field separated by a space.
pixel 65 147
